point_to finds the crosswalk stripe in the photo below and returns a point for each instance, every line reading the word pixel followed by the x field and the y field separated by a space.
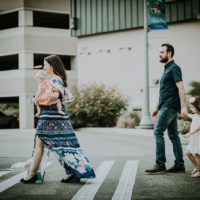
pixel 3 173
pixel 126 182
pixel 21 165
pixel 13 180
pixel 88 191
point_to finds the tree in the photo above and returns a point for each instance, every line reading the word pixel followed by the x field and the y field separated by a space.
pixel 195 88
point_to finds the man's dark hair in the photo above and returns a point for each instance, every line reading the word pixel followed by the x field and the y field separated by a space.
pixel 170 48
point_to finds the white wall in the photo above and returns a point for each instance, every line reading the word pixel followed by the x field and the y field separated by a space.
pixel 124 68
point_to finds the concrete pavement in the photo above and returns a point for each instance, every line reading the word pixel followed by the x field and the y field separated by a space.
pixel 19 142
pixel 119 156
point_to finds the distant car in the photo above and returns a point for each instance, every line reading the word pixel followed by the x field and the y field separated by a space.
pixel 8 121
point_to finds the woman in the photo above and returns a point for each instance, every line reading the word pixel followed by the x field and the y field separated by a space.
pixel 56 132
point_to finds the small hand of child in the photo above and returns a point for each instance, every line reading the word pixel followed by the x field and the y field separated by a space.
pixel 187 135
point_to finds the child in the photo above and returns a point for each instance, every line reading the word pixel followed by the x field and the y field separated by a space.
pixel 194 135
pixel 46 93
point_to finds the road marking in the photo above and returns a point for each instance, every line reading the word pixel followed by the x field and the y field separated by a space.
pixel 21 165
pixel 3 173
pixel 88 191
pixel 13 180
pixel 126 182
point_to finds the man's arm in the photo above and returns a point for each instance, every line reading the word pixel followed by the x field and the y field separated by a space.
pixel 182 97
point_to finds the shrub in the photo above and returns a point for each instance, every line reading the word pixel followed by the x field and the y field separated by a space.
pixel 195 88
pixel 10 109
pixel 96 105
pixel 183 126
pixel 128 120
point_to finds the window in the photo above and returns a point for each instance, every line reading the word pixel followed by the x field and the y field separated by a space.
pixel 39 58
pixel 9 62
pixel 50 20
pixel 9 112
pixel 9 20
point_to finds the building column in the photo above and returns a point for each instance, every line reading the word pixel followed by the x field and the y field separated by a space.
pixel 25 18
pixel 73 72
pixel 26 106
pixel 26 112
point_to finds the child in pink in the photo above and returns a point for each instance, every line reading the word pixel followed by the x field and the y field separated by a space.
pixel 46 93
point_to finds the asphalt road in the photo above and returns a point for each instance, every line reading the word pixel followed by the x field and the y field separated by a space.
pixel 119 158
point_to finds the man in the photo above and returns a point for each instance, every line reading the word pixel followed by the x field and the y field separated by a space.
pixel 171 101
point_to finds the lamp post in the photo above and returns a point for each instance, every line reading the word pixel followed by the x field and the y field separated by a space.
pixel 146 122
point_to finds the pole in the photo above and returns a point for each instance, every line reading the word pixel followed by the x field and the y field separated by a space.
pixel 146 122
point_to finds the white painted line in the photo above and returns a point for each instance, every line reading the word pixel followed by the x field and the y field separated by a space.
pixel 126 181
pixel 3 173
pixel 88 191
pixel 21 165
pixel 13 180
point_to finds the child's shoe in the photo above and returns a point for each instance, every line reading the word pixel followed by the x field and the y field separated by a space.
pixel 194 171
pixel 195 175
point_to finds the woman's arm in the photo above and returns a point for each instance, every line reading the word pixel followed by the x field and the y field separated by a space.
pixel 55 95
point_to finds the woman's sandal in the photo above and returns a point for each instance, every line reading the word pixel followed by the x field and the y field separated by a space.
pixel 31 180
pixel 195 175
pixel 71 179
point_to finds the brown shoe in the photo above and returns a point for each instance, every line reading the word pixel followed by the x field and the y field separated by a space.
pixel 175 169
pixel 156 169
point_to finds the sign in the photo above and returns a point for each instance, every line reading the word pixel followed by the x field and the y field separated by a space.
pixel 157 15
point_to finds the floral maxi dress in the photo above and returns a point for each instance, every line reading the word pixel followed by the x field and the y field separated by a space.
pixel 57 133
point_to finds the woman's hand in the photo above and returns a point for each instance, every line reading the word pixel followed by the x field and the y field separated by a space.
pixel 55 96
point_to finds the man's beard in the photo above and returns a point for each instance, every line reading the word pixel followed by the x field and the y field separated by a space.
pixel 164 60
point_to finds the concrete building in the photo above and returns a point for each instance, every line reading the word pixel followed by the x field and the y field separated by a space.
pixel 29 31
pixel 111 44
pixel 105 44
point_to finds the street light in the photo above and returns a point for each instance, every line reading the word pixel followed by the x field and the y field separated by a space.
pixel 146 122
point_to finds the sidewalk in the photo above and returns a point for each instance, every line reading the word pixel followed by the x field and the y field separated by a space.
pixel 17 142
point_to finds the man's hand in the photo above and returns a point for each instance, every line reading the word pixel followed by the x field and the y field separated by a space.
pixel 154 113
pixel 184 113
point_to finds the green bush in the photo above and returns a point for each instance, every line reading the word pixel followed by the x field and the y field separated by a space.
pixel 96 105
pixel 183 126
pixel 195 88
pixel 10 109
pixel 128 120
